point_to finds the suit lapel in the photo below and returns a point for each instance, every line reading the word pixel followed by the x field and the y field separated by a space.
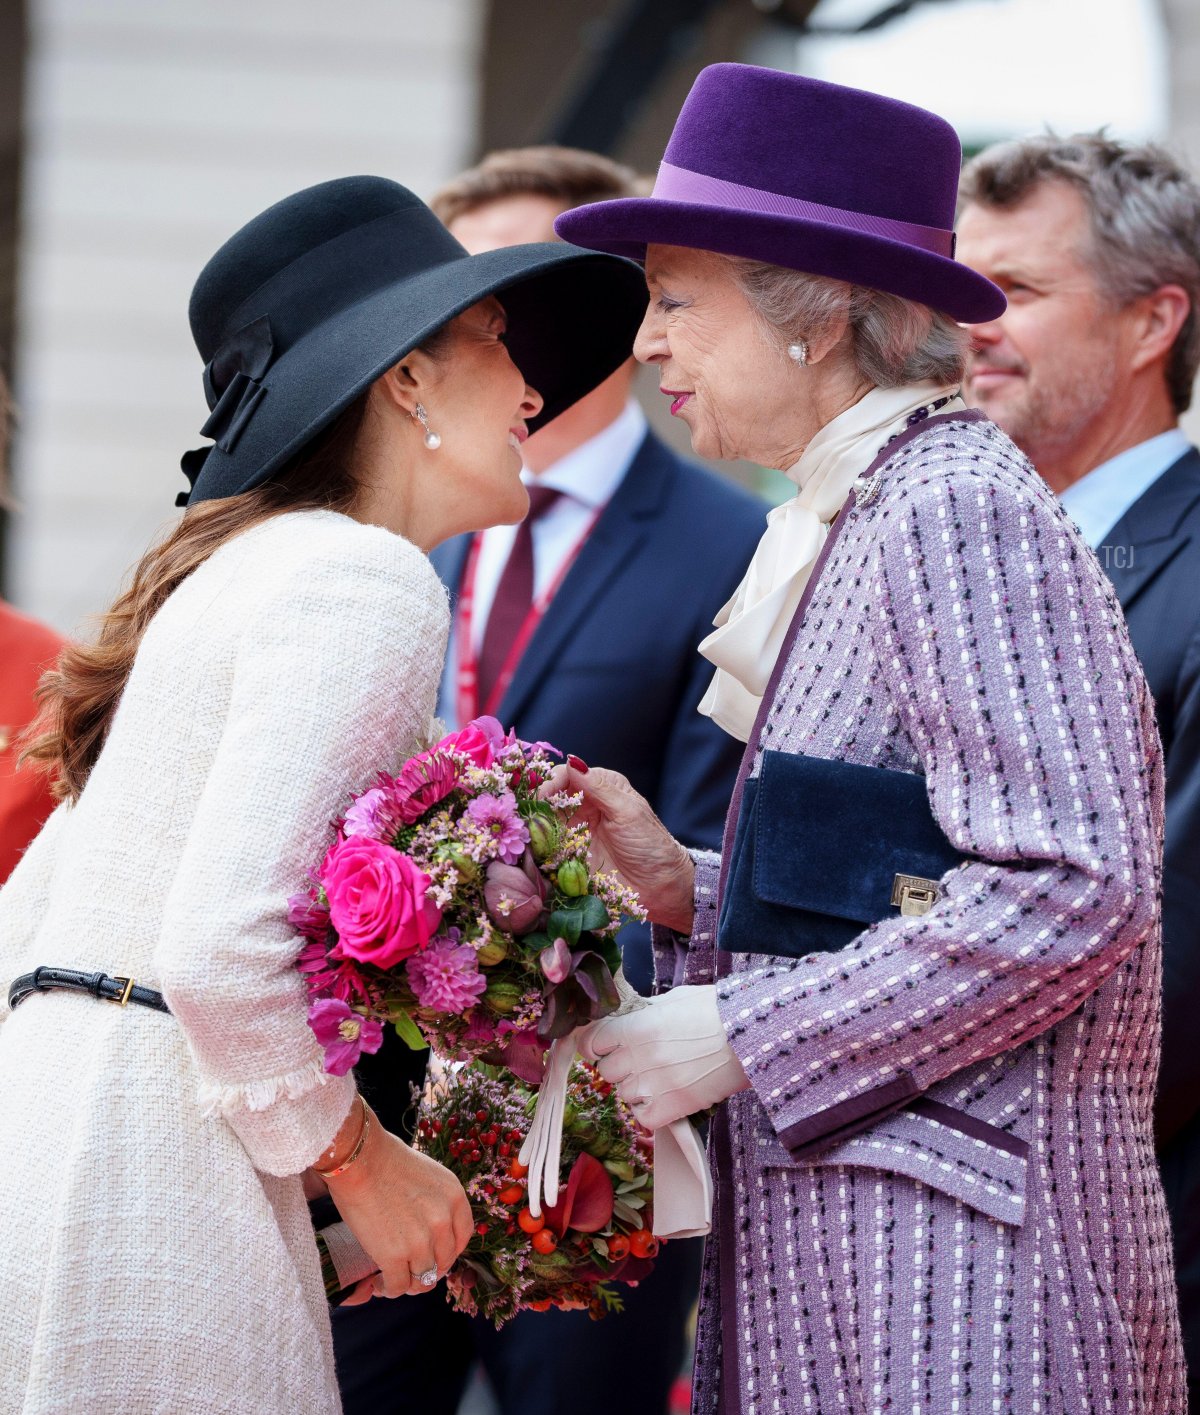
pixel 1147 536
pixel 623 526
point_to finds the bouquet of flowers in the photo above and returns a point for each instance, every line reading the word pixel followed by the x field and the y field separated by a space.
pixel 458 905
pixel 571 1255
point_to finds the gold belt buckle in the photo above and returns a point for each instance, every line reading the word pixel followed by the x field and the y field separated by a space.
pixel 913 895
pixel 123 1000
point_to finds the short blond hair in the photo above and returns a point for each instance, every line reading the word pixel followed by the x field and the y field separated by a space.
pixel 568 175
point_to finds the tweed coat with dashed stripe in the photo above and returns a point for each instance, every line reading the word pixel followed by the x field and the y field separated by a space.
pixel 939 1195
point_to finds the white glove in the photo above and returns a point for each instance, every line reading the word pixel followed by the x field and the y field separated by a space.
pixel 668 1059
pixel 542 1150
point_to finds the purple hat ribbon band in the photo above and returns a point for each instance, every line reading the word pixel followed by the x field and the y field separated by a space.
pixel 681 184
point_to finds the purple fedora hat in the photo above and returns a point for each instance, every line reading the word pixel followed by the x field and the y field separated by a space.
pixel 809 175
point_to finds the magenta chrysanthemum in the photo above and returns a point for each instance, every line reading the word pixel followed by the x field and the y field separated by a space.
pixel 498 818
pixel 446 976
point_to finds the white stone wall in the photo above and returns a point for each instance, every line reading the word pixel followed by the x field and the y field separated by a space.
pixel 1183 33
pixel 154 129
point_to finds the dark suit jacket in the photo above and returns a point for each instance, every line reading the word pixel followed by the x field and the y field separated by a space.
pixel 612 673
pixel 1152 556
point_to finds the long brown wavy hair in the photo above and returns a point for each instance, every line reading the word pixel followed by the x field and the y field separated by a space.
pixel 80 694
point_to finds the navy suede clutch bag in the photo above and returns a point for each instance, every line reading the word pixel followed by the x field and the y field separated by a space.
pixel 823 849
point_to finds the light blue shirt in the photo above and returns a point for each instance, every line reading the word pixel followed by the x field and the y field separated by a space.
pixel 1098 501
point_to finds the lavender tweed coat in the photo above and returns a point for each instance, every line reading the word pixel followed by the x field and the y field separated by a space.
pixel 940 1194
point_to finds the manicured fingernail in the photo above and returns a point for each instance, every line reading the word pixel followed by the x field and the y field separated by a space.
pixel 579 764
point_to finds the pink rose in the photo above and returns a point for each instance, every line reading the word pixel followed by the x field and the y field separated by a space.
pixel 377 902
pixel 480 740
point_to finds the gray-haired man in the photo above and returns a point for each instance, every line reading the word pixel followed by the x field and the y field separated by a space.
pixel 1096 243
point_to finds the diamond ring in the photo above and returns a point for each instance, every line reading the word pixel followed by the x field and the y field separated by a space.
pixel 427 1279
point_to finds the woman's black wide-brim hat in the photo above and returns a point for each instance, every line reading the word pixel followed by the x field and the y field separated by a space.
pixel 312 301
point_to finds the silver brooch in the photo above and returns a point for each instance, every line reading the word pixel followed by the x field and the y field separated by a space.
pixel 866 492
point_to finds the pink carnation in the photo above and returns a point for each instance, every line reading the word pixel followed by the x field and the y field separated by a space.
pixel 446 976
pixel 480 740
pixel 377 902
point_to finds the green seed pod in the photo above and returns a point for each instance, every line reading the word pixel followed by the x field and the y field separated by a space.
pixel 543 837
pixel 468 869
pixel 503 997
pixel 573 878
pixel 493 952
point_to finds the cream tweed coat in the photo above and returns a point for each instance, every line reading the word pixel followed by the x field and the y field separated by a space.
pixel 157 1253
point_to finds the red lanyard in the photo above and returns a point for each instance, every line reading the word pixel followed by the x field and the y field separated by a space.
pixel 467 701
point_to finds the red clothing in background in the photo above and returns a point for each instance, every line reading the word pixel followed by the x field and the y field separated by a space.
pixel 27 649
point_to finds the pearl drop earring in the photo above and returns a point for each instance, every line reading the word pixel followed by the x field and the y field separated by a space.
pixel 432 440
pixel 798 352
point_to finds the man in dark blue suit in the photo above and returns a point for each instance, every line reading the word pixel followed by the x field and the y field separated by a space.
pixel 1097 244
pixel 578 628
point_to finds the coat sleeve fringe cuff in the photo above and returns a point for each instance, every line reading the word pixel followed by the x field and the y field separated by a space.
pixel 286 1123
pixel 218 1098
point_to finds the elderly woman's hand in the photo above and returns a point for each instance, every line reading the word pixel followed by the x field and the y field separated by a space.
pixel 629 838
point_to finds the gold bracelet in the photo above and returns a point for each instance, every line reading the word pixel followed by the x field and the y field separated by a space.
pixel 355 1152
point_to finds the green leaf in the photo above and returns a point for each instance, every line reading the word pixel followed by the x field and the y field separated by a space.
pixel 409 1033
pixel 627 1213
pixel 536 941
pixel 566 923
pixel 594 914
pixel 607 948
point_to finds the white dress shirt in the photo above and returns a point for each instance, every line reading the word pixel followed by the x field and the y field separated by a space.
pixel 587 477
pixel 1097 501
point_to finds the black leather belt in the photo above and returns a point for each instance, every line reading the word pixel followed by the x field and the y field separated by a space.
pixel 118 990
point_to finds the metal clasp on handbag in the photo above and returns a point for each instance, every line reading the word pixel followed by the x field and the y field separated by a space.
pixel 913 895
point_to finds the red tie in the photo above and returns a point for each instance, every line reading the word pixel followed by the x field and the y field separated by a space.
pixel 514 596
